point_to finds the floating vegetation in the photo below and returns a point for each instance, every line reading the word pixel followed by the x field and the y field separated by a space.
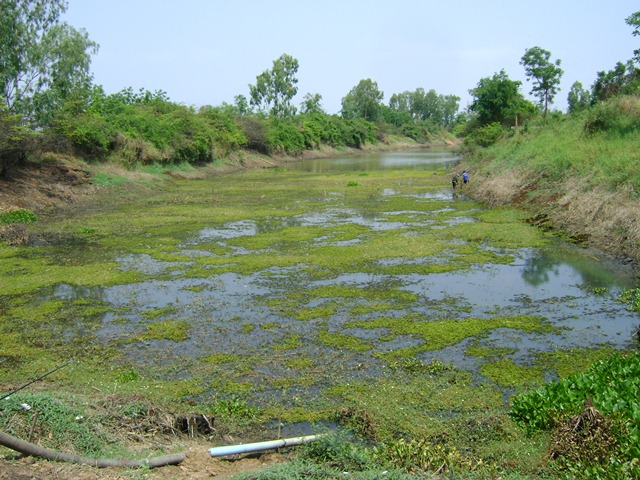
pixel 238 288
pixel 174 330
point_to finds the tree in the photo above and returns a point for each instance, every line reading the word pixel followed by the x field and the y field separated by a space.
pixel 275 88
pixel 43 62
pixel 498 99
pixel 634 21
pixel 312 103
pixel 241 104
pixel 450 105
pixel 544 74
pixel 438 110
pixel 578 98
pixel 624 79
pixel 363 101
pixel 401 102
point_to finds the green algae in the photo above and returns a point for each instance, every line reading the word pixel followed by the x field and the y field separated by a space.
pixel 342 341
pixel 570 361
pixel 489 352
pixel 428 405
pixel 438 334
pixel 174 330
pixel 302 233
pixel 506 373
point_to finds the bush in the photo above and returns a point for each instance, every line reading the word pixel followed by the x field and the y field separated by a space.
pixel 14 141
pixel 612 386
pixel 226 135
pixel 283 137
pixel 88 132
pixel 255 131
pixel 486 135
pixel 618 116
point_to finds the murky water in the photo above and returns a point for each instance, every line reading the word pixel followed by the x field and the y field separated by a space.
pixel 574 289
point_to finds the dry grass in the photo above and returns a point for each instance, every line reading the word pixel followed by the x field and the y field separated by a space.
pixel 585 438
pixel 503 189
pixel 607 220
pixel 611 220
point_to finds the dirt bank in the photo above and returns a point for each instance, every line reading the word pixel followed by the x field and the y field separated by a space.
pixel 605 220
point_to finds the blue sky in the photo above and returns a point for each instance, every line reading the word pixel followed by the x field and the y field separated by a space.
pixel 205 52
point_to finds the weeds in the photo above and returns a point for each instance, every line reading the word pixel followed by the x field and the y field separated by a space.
pixel 18 216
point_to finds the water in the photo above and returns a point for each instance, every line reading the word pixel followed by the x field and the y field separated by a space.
pixel 574 289
pixel 424 160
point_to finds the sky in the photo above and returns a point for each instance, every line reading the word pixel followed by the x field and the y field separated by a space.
pixel 205 52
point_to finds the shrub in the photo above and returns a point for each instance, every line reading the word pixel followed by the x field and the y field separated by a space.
pixel 255 131
pixel 284 137
pixel 14 141
pixel 226 135
pixel 486 135
pixel 88 132
pixel 618 116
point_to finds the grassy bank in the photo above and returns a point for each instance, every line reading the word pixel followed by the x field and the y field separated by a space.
pixel 578 174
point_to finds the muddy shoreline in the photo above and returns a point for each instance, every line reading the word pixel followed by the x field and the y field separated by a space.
pixel 608 222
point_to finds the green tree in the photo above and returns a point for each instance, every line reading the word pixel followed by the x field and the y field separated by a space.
pixel 437 110
pixel 363 101
pixel 450 105
pixel 544 75
pixel 241 104
pixel 401 102
pixel 275 88
pixel 624 79
pixel 312 103
pixel 43 62
pixel 14 141
pixel 498 99
pixel 578 98
pixel 634 21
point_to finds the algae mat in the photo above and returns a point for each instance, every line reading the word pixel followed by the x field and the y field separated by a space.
pixel 302 289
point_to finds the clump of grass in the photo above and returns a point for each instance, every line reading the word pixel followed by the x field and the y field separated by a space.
pixel 18 216
pixel 235 408
pixel 53 421
pixel 417 456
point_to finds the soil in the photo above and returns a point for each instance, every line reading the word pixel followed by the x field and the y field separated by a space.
pixel 198 465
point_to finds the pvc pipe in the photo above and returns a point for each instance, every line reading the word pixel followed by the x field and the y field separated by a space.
pixel 254 447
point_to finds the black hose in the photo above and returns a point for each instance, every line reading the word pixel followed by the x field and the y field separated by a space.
pixel 30 449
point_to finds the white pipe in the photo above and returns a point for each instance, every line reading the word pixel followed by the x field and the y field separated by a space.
pixel 254 447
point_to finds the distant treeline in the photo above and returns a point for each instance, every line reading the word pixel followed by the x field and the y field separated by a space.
pixel 51 103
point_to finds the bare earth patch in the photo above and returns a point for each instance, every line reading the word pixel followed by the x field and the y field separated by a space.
pixel 198 465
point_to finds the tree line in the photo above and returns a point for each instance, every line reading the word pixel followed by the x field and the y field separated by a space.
pixel 50 102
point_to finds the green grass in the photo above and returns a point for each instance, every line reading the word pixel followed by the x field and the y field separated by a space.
pixel 563 150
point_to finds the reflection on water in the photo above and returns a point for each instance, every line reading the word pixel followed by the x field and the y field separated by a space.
pixel 418 160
